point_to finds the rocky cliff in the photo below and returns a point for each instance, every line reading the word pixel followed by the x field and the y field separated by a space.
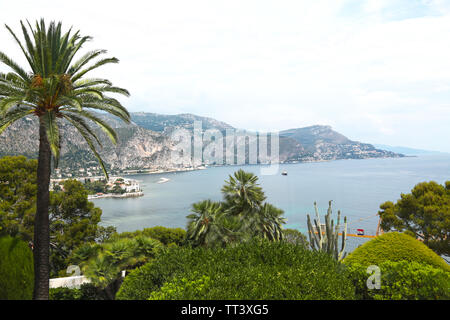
pixel 146 143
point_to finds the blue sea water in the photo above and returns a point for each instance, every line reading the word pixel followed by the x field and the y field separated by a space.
pixel 357 188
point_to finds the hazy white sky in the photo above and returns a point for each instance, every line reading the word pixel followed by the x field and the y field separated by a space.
pixel 377 71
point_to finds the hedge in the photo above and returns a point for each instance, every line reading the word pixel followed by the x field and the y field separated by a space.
pixel 403 280
pixel 16 269
pixel 254 270
pixel 395 246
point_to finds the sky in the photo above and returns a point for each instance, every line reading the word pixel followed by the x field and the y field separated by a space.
pixel 376 71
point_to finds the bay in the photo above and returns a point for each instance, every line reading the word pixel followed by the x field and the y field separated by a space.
pixel 357 188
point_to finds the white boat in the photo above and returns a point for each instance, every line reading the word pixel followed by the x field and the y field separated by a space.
pixel 284 173
pixel 163 180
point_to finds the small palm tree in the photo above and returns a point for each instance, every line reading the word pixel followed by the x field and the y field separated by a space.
pixel 55 89
pixel 204 226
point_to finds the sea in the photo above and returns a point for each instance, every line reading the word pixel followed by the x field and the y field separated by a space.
pixel 357 188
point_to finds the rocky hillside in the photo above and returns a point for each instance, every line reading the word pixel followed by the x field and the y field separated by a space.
pixel 323 143
pixel 146 143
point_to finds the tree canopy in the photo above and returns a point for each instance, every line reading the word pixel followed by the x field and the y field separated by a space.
pixel 73 219
pixel 425 213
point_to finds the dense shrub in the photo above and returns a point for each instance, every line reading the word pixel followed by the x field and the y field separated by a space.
pixel 395 246
pixel 165 235
pixel 103 263
pixel 296 237
pixel 254 270
pixel 87 291
pixel 183 288
pixel 16 269
pixel 403 280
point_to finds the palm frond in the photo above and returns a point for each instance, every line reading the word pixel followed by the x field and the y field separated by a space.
pixel 87 137
pixel 99 63
pixel 102 124
pixel 12 116
pixel 13 65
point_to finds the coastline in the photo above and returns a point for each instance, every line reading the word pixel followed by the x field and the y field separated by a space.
pixel 113 195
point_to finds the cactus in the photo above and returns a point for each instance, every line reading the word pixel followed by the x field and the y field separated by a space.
pixel 327 240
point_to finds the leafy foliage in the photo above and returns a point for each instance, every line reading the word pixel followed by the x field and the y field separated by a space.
pixel 87 291
pixel 295 237
pixel 56 87
pixel 73 219
pixel 16 269
pixel 241 216
pixel 73 222
pixel 183 289
pixel 395 246
pixel 403 280
pixel 165 235
pixel 425 212
pixel 259 269
pixel 103 263
pixel 17 196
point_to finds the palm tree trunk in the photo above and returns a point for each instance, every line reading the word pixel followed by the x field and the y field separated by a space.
pixel 41 250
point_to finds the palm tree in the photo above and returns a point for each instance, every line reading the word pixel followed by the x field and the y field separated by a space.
pixel 204 224
pixel 244 198
pixel 242 193
pixel 270 221
pixel 55 89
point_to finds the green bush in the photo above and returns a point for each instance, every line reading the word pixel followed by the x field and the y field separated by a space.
pixel 395 246
pixel 183 289
pixel 165 235
pixel 254 270
pixel 16 269
pixel 87 291
pixel 403 280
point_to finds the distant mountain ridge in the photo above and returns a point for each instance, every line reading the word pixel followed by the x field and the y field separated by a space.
pixel 146 143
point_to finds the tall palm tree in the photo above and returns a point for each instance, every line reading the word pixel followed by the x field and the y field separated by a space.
pixel 55 89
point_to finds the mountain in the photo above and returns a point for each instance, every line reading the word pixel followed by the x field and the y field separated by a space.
pixel 323 143
pixel 147 144
pixel 405 150
pixel 162 122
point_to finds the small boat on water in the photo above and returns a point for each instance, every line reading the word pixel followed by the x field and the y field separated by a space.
pixel 163 180
pixel 284 173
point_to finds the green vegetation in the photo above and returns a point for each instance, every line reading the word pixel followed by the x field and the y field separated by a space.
pixel 326 239
pixel 16 269
pixel 425 213
pixel 241 216
pixel 395 247
pixel 295 237
pixel 103 263
pixel 259 269
pixel 53 88
pixel 87 291
pixel 73 219
pixel 403 280
pixel 73 222
pixel 94 187
pixel 18 187
pixel 233 249
pixel 166 236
